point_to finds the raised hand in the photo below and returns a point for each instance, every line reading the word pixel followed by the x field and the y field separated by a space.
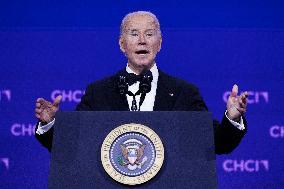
pixel 45 111
pixel 236 105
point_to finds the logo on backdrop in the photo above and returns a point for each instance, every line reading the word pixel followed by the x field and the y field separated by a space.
pixel 4 164
pixel 132 154
pixel 255 97
pixel 276 131
pixel 250 165
pixel 22 129
pixel 5 95
pixel 68 95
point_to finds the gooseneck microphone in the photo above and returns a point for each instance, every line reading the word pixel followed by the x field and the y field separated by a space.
pixel 127 79
pixel 145 85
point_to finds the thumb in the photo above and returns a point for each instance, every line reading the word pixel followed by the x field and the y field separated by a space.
pixel 57 100
pixel 234 91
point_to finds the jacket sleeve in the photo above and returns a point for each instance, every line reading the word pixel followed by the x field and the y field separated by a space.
pixel 226 136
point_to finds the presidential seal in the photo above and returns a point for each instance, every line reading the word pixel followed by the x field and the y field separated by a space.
pixel 132 154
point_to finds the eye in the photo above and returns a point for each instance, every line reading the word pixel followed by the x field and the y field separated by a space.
pixel 133 34
pixel 149 34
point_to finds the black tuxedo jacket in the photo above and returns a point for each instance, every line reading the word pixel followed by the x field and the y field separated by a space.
pixel 172 95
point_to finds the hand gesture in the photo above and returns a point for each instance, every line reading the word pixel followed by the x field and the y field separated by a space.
pixel 236 105
pixel 45 111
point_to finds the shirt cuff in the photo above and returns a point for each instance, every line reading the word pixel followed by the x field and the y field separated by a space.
pixel 41 129
pixel 240 125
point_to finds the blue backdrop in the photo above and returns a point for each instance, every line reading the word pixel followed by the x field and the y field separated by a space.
pixel 49 48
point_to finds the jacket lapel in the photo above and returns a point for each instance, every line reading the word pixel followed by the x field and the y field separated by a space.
pixel 166 93
pixel 118 102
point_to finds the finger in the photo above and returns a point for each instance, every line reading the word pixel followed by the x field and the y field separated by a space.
pixel 40 100
pixel 239 102
pixel 241 110
pixel 37 110
pixel 243 105
pixel 234 91
pixel 244 97
pixel 37 116
pixel 244 100
pixel 57 100
pixel 240 99
pixel 38 105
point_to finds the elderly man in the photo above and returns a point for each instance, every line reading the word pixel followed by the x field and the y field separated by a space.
pixel 140 40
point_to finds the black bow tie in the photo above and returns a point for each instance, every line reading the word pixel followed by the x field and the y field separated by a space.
pixel 133 78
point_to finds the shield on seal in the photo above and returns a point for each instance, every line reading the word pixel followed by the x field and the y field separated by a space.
pixel 132 155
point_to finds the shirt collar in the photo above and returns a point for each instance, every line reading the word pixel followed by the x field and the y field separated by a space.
pixel 154 71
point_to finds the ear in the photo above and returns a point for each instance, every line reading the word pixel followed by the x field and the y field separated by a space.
pixel 160 45
pixel 121 44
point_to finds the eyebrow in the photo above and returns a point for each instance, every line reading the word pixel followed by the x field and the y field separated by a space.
pixel 134 30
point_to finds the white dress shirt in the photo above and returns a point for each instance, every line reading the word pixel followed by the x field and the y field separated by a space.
pixel 148 103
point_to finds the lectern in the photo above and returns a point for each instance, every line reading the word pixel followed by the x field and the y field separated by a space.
pixel 80 137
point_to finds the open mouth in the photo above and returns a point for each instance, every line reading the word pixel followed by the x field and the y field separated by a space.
pixel 142 52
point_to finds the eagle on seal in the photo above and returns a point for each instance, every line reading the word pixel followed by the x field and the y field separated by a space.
pixel 132 154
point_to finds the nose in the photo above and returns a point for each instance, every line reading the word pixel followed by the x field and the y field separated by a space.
pixel 142 40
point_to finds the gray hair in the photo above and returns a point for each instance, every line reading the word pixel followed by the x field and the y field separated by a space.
pixel 126 18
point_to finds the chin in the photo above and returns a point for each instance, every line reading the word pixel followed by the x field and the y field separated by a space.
pixel 145 63
pixel 145 66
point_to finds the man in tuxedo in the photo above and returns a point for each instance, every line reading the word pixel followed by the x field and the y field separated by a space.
pixel 140 40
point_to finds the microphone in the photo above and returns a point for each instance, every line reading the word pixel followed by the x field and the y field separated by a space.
pixel 125 80
pixel 122 87
pixel 145 85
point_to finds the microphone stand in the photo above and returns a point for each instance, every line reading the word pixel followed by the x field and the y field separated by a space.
pixel 134 103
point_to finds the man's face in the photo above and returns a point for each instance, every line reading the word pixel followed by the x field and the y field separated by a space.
pixel 140 41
